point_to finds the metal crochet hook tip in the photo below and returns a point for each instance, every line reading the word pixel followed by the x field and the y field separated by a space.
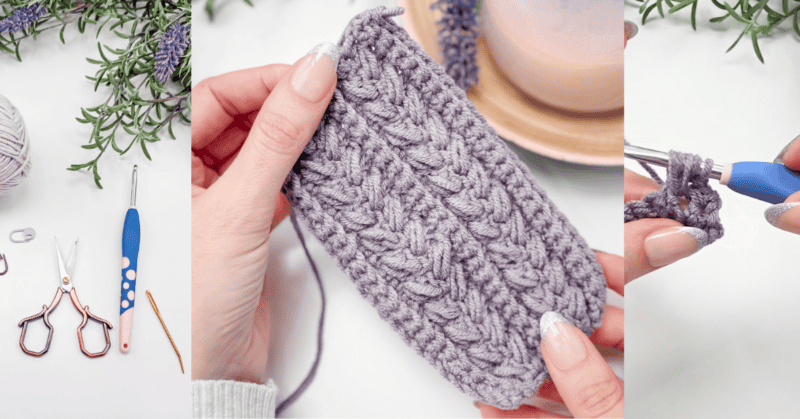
pixel 660 158
pixel 134 182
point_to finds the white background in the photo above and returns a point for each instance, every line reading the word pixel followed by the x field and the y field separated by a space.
pixel 715 335
pixel 49 88
pixel 366 369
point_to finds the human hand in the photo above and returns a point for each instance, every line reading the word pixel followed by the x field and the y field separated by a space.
pixel 786 216
pixel 249 128
pixel 651 243
pixel 581 378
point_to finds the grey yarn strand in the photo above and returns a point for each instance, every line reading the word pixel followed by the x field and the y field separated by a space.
pixel 436 221
pixel 685 196
pixel 320 326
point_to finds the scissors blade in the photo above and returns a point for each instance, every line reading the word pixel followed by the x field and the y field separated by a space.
pixel 71 260
pixel 62 270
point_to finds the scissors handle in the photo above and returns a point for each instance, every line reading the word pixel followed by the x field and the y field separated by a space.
pixel 44 314
pixel 130 259
pixel 86 317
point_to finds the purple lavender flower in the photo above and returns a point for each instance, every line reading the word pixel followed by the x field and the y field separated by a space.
pixel 170 49
pixel 22 18
pixel 458 34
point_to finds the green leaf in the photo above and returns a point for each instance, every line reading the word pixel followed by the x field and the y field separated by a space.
pixel 96 176
pixel 754 36
pixel 647 12
pixel 144 149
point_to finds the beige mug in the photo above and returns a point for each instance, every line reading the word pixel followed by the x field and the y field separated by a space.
pixel 565 53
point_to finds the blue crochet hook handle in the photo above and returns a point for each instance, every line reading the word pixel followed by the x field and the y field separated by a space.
pixel 768 182
pixel 131 235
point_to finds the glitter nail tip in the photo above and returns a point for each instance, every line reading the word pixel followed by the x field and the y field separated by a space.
pixel 773 213
pixel 330 49
pixel 699 235
pixel 548 321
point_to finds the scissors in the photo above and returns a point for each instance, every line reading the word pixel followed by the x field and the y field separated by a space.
pixel 65 286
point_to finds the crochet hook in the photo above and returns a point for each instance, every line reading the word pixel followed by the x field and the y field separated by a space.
pixel 130 256
pixel 768 182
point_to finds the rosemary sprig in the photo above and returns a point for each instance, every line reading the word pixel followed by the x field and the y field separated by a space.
pixel 211 9
pixel 748 13
pixel 149 80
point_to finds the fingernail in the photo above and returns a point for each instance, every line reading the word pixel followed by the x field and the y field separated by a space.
pixel 630 29
pixel 564 347
pixel 314 76
pixel 668 245
pixel 785 216
pixel 785 150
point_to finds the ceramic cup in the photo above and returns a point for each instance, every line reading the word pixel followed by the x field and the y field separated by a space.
pixel 566 53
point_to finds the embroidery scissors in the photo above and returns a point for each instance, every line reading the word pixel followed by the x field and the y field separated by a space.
pixel 65 285
pixel 768 182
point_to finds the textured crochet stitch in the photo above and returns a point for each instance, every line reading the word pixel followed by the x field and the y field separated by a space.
pixel 685 196
pixel 437 222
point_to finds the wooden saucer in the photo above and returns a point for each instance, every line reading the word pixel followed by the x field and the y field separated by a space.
pixel 591 139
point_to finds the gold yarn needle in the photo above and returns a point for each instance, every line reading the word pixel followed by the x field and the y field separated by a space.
pixel 158 314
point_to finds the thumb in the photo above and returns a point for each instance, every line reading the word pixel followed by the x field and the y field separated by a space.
pixel 584 380
pixel 280 132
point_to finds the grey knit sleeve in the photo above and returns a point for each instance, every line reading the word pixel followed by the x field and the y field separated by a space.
pixel 233 399
pixel 436 221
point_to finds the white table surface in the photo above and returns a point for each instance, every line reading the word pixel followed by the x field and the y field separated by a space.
pixel 366 369
pixel 49 88
pixel 715 335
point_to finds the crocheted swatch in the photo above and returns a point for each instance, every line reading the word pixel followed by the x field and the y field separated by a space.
pixel 685 196
pixel 437 222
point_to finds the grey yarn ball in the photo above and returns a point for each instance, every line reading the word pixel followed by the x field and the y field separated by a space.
pixel 15 161
pixel 437 222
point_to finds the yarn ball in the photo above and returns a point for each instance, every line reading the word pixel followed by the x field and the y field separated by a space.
pixel 437 222
pixel 15 161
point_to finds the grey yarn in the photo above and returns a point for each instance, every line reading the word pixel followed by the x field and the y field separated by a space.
pixel 436 221
pixel 687 184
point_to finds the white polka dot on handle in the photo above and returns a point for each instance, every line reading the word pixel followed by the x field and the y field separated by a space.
pixel 126 285
pixel 130 295
pixel 125 304
pixel 125 262
pixel 131 274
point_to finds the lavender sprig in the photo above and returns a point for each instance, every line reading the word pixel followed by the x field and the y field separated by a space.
pixel 458 34
pixel 22 18
pixel 170 50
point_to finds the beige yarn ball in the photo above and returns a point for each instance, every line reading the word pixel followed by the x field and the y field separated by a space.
pixel 15 161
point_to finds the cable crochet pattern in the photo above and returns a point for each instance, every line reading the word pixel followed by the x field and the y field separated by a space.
pixel 685 197
pixel 437 222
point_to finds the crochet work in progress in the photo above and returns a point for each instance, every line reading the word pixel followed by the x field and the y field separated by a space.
pixel 685 197
pixel 437 222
